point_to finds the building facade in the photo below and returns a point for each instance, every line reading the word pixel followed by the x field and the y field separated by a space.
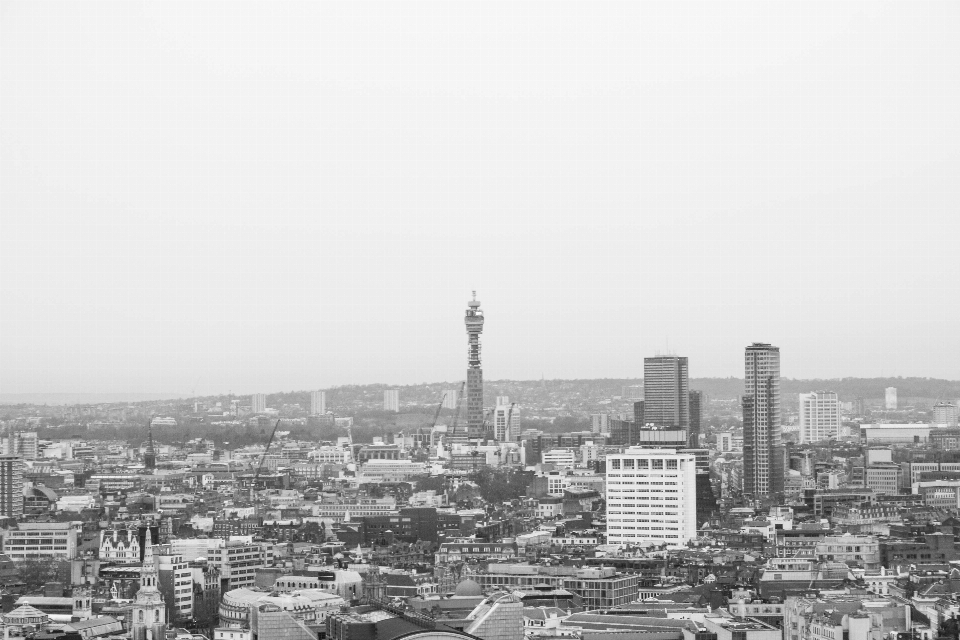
pixel 945 413
pixel 473 321
pixel 56 540
pixel 506 421
pixel 651 496
pixel 11 486
pixel 819 416
pixel 258 403
pixel 763 470
pixel 391 400
pixel 891 398
pixel 666 391
pixel 318 403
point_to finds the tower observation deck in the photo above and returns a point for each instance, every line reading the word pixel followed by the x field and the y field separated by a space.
pixel 474 324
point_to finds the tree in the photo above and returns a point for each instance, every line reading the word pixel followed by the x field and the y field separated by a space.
pixel 37 571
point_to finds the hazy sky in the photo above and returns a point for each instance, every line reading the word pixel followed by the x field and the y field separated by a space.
pixel 273 195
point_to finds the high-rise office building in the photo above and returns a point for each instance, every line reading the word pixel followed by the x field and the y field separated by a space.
pixel 666 391
pixel 891 398
pixel 11 486
pixel 450 398
pixel 763 455
pixel 651 496
pixel 696 417
pixel 22 443
pixel 318 403
pixel 506 421
pixel 945 413
pixel 391 400
pixel 258 403
pixel 473 320
pixel 819 416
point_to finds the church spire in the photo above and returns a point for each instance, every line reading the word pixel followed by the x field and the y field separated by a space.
pixel 150 455
pixel 148 572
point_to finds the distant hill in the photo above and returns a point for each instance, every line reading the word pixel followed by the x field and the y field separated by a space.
pixel 428 393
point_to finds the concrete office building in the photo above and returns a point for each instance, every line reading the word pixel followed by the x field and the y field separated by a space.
pixel 945 413
pixel 451 397
pixel 175 581
pixel 258 403
pixel 506 420
pixel 651 496
pixel 22 443
pixel 819 416
pixel 666 391
pixel 56 540
pixel 762 446
pixel 318 403
pixel 600 423
pixel 11 486
pixel 391 400
pixel 891 399
pixel 696 418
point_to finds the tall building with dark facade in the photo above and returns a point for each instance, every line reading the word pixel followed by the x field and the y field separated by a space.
pixel 666 391
pixel 762 443
pixel 696 416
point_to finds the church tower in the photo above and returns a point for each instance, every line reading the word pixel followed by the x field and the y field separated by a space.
pixel 148 616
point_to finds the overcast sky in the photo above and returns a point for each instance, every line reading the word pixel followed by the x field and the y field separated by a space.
pixel 272 196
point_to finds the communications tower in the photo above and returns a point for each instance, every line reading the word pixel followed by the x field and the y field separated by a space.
pixel 474 323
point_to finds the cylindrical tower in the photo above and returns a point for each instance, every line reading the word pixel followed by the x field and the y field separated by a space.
pixel 474 323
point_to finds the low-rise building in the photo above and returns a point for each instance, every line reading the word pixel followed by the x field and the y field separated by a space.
pixel 41 540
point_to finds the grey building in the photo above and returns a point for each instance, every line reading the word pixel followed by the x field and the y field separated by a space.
pixel 763 455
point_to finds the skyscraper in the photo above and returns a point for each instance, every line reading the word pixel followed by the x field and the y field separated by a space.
pixel 506 420
pixel 258 403
pixel 318 403
pixel 473 319
pixel 22 443
pixel 696 417
pixel 666 391
pixel 391 400
pixel 651 496
pixel 819 416
pixel 762 445
pixel 11 486
pixel 450 398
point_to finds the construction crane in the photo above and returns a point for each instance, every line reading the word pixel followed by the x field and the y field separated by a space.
pixel 256 475
pixel 456 419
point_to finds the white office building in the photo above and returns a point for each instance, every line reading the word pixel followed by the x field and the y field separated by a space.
pixel 450 398
pixel 506 421
pixel 562 458
pixel 891 398
pixel 258 403
pixel 391 400
pixel 651 496
pixel 318 403
pixel 819 416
